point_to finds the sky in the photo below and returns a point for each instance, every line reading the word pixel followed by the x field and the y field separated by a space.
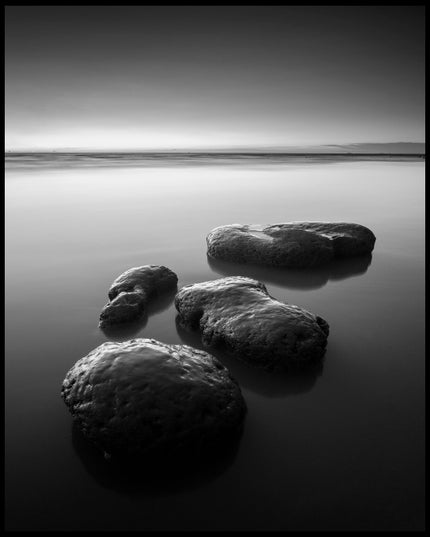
pixel 211 77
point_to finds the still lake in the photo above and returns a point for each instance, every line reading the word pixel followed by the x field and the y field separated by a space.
pixel 340 450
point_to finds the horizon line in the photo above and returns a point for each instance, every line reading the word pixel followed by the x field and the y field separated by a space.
pixel 203 152
pixel 366 147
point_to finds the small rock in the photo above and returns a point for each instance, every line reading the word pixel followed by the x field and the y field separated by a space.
pixel 237 315
pixel 289 245
pixel 130 293
pixel 145 397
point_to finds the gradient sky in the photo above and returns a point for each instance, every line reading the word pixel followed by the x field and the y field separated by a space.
pixel 142 77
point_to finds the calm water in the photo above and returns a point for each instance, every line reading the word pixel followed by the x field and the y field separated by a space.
pixel 342 449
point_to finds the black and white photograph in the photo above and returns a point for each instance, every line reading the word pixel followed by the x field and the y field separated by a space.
pixel 214 268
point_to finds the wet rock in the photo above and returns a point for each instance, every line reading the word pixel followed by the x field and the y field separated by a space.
pixel 237 315
pixel 289 245
pixel 130 293
pixel 143 397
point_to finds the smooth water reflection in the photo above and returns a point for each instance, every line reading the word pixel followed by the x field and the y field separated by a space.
pixel 162 477
pixel 339 448
pixel 314 278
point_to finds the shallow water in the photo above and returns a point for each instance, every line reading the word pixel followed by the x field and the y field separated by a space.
pixel 338 448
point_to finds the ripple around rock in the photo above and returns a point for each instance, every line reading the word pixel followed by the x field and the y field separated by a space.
pixel 289 245
pixel 237 315
pixel 131 291
pixel 143 397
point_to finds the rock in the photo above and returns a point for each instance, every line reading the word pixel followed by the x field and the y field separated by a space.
pixel 143 397
pixel 237 315
pixel 290 245
pixel 130 293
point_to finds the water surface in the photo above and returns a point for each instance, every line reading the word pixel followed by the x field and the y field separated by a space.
pixel 338 448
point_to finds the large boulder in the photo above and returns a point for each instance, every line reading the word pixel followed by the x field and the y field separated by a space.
pixel 131 291
pixel 289 245
pixel 143 397
pixel 237 315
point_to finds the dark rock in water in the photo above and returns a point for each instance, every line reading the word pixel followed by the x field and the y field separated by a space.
pixel 129 294
pixel 278 383
pixel 238 315
pixel 348 239
pixel 143 397
pixel 290 245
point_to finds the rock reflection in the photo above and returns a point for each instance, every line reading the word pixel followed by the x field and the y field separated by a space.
pixel 338 269
pixel 279 384
pixel 159 476
pixel 125 331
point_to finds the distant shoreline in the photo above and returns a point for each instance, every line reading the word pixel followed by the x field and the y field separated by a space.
pixel 208 153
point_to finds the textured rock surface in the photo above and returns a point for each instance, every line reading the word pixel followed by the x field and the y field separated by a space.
pixel 290 245
pixel 238 315
pixel 129 294
pixel 145 397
